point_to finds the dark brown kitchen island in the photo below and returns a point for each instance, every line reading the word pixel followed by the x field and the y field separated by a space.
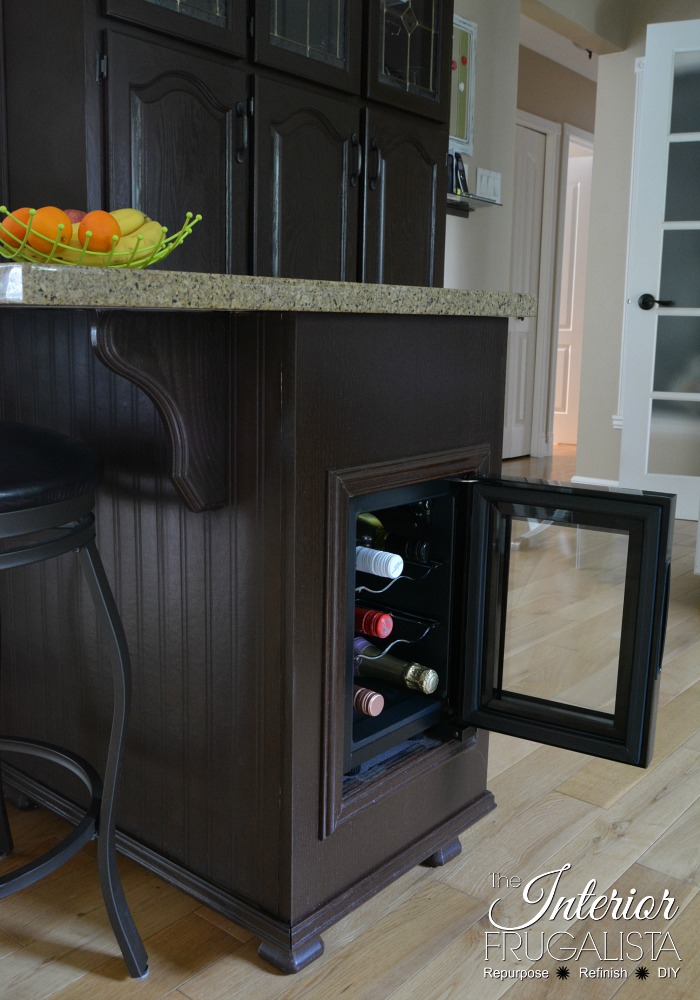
pixel 241 421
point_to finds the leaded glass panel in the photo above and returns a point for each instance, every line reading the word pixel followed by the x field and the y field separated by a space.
pixel 211 11
pixel 311 28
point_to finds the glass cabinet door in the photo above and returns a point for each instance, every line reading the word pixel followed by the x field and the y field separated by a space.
pixel 319 40
pixel 409 55
pixel 566 596
pixel 220 24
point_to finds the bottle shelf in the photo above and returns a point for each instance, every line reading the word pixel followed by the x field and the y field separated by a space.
pixel 463 204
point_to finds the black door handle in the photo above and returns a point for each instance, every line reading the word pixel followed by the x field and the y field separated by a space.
pixel 647 301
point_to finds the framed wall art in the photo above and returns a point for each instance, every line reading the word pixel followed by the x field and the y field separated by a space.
pixel 463 81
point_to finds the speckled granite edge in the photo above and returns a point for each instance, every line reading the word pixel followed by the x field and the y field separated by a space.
pixel 105 288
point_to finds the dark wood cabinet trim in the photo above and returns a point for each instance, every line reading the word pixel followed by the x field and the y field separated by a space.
pixel 183 366
pixel 342 485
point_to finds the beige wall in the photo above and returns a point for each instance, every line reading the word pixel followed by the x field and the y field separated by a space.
pixel 600 25
pixel 549 90
pixel 598 453
pixel 477 250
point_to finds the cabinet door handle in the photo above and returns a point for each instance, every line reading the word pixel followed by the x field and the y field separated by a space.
pixel 243 119
pixel 374 181
pixel 358 159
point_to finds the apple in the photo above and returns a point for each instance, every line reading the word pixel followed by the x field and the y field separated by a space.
pixel 74 214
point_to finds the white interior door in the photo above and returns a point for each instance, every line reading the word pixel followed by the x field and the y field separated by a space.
pixel 660 447
pixel 525 277
pixel 579 169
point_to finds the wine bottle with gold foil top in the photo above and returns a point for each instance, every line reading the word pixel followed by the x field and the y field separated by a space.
pixel 370 661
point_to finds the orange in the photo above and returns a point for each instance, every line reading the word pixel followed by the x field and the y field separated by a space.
pixel 13 232
pixel 46 228
pixel 102 228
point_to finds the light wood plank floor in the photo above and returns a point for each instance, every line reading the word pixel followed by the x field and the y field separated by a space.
pixel 637 831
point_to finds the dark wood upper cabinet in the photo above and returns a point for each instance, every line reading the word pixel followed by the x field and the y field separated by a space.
pixel 404 189
pixel 277 121
pixel 219 24
pixel 177 141
pixel 319 40
pixel 308 161
pixel 409 53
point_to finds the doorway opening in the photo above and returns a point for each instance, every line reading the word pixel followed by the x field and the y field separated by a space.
pixel 574 207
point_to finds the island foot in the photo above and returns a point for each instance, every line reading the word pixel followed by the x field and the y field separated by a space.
pixel 291 959
pixel 443 854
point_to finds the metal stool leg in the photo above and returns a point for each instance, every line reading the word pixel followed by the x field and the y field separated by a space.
pixel 6 844
pixel 120 917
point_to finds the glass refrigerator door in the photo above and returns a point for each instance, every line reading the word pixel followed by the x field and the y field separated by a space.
pixel 565 594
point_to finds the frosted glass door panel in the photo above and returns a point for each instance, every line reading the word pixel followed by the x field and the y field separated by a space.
pixel 572 579
pixel 680 268
pixel 685 109
pixel 312 28
pixel 677 361
pixel 683 187
pixel 660 401
pixel 674 438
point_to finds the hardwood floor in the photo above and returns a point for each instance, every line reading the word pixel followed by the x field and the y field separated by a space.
pixel 637 831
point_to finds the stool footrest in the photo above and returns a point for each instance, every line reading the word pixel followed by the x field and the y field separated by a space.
pixel 80 835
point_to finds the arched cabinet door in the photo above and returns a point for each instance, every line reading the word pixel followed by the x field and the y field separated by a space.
pixel 405 186
pixel 177 134
pixel 308 168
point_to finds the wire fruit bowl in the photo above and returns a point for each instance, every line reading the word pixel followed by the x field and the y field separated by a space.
pixel 138 256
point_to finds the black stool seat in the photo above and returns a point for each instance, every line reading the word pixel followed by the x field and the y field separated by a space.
pixel 39 466
pixel 47 484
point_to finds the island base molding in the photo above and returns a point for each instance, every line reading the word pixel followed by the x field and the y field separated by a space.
pixel 288 948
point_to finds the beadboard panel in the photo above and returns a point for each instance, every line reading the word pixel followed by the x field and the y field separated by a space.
pixel 190 589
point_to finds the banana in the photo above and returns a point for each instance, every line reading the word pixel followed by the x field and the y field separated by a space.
pixel 73 252
pixel 140 244
pixel 129 219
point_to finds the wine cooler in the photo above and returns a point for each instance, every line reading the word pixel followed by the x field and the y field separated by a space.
pixel 399 625
pixel 432 576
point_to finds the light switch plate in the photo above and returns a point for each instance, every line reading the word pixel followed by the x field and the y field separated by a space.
pixel 488 184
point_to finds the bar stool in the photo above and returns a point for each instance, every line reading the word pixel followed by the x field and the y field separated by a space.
pixel 47 484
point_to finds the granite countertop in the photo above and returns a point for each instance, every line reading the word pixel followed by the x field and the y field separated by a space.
pixel 59 286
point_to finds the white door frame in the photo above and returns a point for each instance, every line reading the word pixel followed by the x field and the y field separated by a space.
pixel 569 133
pixel 547 294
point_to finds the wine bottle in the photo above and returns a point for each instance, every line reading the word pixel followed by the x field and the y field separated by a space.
pixel 366 701
pixel 412 547
pixel 370 661
pixel 370 530
pixel 377 623
pixel 378 562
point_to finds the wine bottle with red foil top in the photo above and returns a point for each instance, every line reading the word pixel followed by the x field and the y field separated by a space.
pixel 366 701
pixel 374 623
pixel 370 661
